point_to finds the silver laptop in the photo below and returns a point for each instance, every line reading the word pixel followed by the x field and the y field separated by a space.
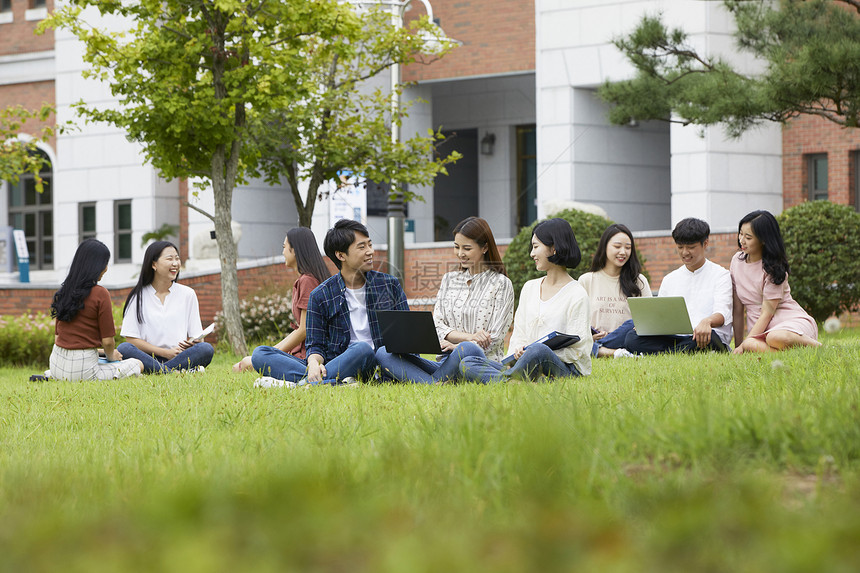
pixel 660 315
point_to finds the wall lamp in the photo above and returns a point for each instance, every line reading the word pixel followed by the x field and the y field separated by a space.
pixel 488 142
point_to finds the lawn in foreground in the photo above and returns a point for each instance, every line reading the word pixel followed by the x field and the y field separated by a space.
pixel 706 462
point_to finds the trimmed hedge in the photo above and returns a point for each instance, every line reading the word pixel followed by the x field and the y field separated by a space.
pixel 822 241
pixel 27 340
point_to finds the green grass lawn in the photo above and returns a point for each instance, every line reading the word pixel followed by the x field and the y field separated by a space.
pixel 706 463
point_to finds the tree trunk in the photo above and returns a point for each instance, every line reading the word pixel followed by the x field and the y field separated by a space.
pixel 305 208
pixel 225 165
pixel 223 180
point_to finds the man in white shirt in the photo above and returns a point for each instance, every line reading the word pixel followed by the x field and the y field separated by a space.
pixel 707 291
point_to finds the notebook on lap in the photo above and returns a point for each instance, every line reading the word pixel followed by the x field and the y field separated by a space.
pixel 408 331
pixel 660 315
pixel 555 340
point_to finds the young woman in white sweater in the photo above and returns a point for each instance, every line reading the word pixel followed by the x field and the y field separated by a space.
pixel 555 302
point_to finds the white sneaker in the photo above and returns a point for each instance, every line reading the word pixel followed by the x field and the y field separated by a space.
pixel 269 382
pixel 624 353
pixel 200 369
pixel 348 381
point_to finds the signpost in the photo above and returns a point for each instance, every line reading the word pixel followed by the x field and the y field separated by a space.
pixel 348 198
pixel 23 255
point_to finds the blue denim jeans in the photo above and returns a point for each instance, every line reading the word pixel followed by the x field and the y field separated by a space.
pixel 357 360
pixel 537 360
pixel 614 339
pixel 670 343
pixel 198 355
pixel 413 368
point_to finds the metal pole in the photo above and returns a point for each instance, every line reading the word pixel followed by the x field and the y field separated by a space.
pixel 395 198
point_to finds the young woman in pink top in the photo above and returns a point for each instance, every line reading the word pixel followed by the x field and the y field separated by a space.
pixel 302 255
pixel 760 281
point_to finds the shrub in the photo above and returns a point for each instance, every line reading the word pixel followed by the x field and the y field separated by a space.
pixel 822 241
pixel 586 227
pixel 265 317
pixel 27 340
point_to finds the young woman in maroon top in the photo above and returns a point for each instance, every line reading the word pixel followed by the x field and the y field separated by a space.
pixel 302 255
pixel 83 322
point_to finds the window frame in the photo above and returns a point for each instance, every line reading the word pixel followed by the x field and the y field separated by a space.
pixel 82 233
pixel 815 194
pixel 119 233
pixel 41 243
pixel 522 191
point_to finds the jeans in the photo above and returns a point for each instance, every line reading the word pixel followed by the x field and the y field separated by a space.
pixel 199 354
pixel 413 368
pixel 669 343
pixel 357 360
pixel 614 339
pixel 537 360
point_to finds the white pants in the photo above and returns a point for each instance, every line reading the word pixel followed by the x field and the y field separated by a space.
pixel 75 365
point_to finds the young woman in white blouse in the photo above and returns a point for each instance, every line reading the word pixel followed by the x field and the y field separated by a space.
pixel 473 312
pixel 161 318
pixel 556 302
pixel 615 275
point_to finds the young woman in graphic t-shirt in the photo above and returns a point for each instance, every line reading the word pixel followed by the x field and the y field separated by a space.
pixel 615 276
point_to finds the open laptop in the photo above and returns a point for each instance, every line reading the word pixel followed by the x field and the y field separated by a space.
pixel 408 331
pixel 660 315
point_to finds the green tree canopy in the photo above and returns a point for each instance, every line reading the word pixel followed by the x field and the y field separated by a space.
pixel 809 49
pixel 342 121
pixel 200 85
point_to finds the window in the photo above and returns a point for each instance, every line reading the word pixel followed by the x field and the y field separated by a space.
pixel 86 221
pixel 816 167
pixel 526 175
pixel 37 4
pixel 122 231
pixel 33 212
pixel 5 5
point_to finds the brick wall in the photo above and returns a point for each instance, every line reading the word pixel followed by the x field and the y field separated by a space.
pixel 498 36
pixel 18 37
pixel 31 96
pixel 807 135
pixel 661 256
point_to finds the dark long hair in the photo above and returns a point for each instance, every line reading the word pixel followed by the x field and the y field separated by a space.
pixel 90 260
pixel 147 274
pixel 559 234
pixel 766 230
pixel 479 231
pixel 308 257
pixel 629 278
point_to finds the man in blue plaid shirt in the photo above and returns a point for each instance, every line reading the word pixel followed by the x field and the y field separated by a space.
pixel 342 332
